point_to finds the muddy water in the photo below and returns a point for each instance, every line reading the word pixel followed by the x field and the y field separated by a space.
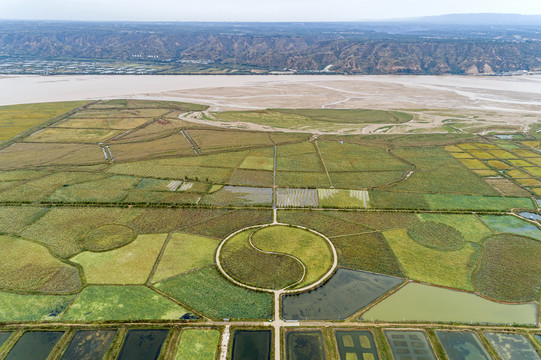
pixel 417 302
pixel 89 344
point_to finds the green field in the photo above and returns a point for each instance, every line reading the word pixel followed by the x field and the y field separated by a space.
pixel 510 270
pixel 450 268
pixel 113 211
pixel 130 264
pixel 198 345
pixel 122 303
pixel 210 294
pixel 15 119
pixel 185 252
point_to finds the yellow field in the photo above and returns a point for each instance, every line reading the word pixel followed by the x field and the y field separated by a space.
pixel 17 118
pixel 474 164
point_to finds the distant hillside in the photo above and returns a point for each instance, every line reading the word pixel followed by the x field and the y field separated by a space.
pixel 409 47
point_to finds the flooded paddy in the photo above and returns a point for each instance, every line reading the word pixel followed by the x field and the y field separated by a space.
pixel 410 345
pixel 287 197
pixel 304 345
pixel 142 344
pixel 418 302
pixel 251 345
pixel 345 293
pixel 89 344
pixel 356 345
pixel 462 345
pixel 530 215
pixel 512 346
pixel 35 345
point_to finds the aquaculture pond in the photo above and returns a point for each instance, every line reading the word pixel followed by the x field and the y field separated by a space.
pixel 356 345
pixel 410 345
pixel 512 346
pixel 462 345
pixel 4 335
pixel 142 344
pixel 89 344
pixel 251 345
pixel 35 345
pixel 345 293
pixel 305 345
pixel 418 302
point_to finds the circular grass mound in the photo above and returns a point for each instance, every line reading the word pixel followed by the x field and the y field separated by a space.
pixel 249 266
pixel 108 237
pixel 436 236
pixel 510 269
pixel 276 257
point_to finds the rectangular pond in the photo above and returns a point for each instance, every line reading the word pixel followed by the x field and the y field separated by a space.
pixel 35 345
pixel 345 293
pixel 462 345
pixel 143 344
pixel 89 344
pixel 410 345
pixel 251 345
pixel 512 346
pixel 356 345
pixel 304 345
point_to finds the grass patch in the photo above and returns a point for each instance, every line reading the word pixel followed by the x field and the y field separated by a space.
pixel 377 220
pixel 343 198
pixel 364 180
pixel 211 294
pixel 130 264
pixel 462 202
pixel 352 116
pixel 312 250
pixel 452 269
pixel 507 187
pixel 438 172
pixel 319 221
pixel 222 226
pixel 17 118
pixel 510 269
pixel 66 135
pixel 251 178
pixel 471 228
pixel 437 236
pixel 17 307
pixel 259 159
pixel 122 303
pixel 239 196
pixel 168 220
pixel 198 344
pixel 397 200
pixel 62 229
pixel 304 179
pixel 302 156
pixel 368 252
pixel 183 253
pixel 112 189
pixel 15 218
pixel 249 266
pixel 108 237
pixel 340 156
pixel 26 266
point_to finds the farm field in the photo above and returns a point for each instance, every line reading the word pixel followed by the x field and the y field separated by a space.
pixel 120 212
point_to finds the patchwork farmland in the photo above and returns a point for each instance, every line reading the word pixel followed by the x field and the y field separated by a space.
pixel 126 228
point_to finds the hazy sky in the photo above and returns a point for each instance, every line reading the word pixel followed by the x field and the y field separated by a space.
pixel 253 10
